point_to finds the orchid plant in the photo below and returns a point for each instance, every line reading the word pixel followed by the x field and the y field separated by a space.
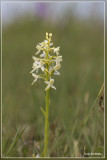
pixel 47 62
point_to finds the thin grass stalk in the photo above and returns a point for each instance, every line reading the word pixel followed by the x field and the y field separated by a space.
pixel 91 111
pixel 16 138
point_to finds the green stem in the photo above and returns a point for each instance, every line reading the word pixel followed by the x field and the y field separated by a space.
pixel 46 138
pixel 46 119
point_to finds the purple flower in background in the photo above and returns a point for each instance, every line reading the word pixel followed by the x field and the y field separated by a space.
pixel 42 10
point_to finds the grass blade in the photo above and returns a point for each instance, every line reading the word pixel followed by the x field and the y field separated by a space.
pixel 15 140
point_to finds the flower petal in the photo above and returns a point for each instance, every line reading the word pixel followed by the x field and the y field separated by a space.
pixel 56 73
pixel 47 87
pixel 53 87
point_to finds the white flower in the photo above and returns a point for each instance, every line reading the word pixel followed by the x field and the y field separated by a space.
pixel 37 65
pixel 57 67
pixel 50 44
pixel 36 77
pixel 37 156
pixel 41 65
pixel 36 59
pixel 39 48
pixel 50 84
pixel 56 73
pixel 43 54
pixel 44 45
pixel 56 50
pixel 58 59
pixel 45 41
pixel 50 69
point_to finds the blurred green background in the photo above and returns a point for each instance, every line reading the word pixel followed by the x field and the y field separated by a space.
pixel 82 74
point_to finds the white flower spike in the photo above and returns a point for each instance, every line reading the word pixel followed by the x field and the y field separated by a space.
pixel 46 62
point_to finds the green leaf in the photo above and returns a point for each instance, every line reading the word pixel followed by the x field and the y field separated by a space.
pixel 43 111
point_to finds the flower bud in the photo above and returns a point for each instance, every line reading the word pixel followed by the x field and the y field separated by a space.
pixel 46 35
pixel 50 35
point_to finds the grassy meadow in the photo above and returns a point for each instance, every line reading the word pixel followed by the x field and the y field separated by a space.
pixel 82 76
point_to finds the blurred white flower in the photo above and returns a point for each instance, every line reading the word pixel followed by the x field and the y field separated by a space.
pixel 43 54
pixel 37 156
pixel 56 73
pixel 58 59
pixel 57 67
pixel 49 84
pixel 36 77
pixel 39 48
pixel 37 65
pixel 51 44
pixel 56 50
